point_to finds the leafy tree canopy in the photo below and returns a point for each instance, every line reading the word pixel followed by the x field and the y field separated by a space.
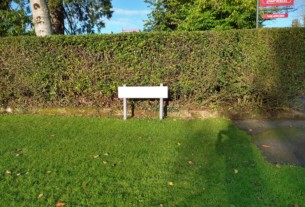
pixel 192 15
pixel 85 16
pixel 13 18
pixel 67 16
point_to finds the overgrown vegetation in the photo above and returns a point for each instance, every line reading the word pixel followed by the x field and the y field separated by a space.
pixel 258 68
pixel 199 15
pixel 14 19
pixel 105 162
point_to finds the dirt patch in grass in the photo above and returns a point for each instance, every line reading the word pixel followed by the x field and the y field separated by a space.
pixel 281 141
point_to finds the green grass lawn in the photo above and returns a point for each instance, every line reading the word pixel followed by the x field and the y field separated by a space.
pixel 109 162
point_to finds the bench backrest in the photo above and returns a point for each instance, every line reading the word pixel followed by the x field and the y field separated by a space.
pixel 143 92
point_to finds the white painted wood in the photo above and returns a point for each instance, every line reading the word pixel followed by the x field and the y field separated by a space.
pixel 143 92
pixel 161 105
pixel 125 108
pixel 161 108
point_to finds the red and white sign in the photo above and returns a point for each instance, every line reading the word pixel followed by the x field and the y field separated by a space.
pixel 273 16
pixel 276 2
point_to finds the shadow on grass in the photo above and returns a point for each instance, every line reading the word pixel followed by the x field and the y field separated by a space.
pixel 222 169
pixel 243 180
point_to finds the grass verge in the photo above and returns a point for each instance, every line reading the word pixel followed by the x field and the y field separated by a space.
pixel 45 160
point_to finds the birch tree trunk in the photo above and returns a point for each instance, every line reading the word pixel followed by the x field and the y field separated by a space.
pixel 41 17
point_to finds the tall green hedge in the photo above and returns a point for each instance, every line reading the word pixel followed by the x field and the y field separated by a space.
pixel 264 67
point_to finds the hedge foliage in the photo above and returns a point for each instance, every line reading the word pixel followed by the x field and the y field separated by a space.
pixel 264 67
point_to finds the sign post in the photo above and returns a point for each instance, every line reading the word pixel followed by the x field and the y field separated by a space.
pixel 257 9
pixel 140 92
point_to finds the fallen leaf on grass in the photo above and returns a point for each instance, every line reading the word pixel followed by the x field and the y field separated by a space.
pixel 40 195
pixel 96 156
pixel 106 154
pixel 190 162
pixel 59 203
pixel 85 186
pixel 105 162
pixel 18 150
pixel 8 172
pixel 18 174
pixel 235 171
pixel 170 184
pixel 266 146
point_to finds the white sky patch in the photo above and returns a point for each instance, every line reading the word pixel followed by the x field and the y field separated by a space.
pixel 128 12
pixel 116 25
pixel 126 19
pixel 122 22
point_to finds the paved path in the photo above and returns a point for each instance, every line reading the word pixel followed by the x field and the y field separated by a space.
pixel 281 141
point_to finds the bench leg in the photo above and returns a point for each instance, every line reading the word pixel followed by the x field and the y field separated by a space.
pixel 125 108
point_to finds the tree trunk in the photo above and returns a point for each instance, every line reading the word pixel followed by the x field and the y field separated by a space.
pixel 41 17
pixel 57 20
pixel 57 16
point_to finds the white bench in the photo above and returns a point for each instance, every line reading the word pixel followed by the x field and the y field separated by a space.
pixel 139 92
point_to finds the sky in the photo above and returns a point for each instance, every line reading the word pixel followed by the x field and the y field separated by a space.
pixel 128 14
pixel 131 14
pixel 299 5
